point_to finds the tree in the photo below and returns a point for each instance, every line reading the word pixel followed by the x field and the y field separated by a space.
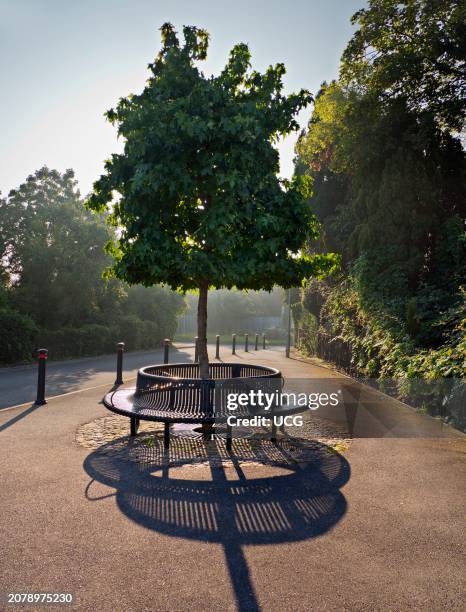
pixel 156 304
pixel 51 250
pixel 199 201
pixel 389 191
pixel 414 50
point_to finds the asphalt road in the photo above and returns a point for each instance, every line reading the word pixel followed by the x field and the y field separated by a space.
pixel 18 385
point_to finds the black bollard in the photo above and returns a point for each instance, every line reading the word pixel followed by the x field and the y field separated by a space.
pixel 42 360
pixel 246 343
pixel 256 344
pixel 233 344
pixel 120 351
pixel 196 349
pixel 217 347
pixel 166 349
pixel 263 341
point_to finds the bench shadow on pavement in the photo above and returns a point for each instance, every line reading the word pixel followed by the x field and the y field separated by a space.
pixel 303 501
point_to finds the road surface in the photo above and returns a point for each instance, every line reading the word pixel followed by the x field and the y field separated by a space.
pixel 18 385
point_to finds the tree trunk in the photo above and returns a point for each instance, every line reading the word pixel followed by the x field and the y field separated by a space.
pixel 203 354
pixel 202 330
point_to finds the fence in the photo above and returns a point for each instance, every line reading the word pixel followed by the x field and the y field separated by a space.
pixel 187 324
pixel 323 345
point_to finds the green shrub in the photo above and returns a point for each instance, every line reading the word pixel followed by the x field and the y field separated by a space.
pixel 380 347
pixel 18 333
pixel 93 339
pixel 129 329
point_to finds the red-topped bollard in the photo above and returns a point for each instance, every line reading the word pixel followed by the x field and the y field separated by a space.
pixel 42 360
pixel 166 349
pixel 119 374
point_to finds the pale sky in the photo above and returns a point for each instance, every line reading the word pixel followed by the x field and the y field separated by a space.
pixel 63 63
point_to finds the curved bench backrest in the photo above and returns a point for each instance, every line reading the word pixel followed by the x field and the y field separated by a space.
pixel 176 387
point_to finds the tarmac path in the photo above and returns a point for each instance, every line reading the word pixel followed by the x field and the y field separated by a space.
pixel 125 526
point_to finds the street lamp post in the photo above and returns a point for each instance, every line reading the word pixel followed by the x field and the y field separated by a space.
pixel 288 337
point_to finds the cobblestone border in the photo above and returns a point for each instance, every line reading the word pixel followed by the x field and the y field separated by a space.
pixel 109 435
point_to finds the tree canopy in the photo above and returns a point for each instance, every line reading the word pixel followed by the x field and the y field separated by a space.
pixel 413 50
pixel 389 191
pixel 199 200
pixel 50 246
pixel 51 287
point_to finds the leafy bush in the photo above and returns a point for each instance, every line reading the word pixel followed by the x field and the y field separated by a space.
pixel 85 341
pixel 308 326
pixel 93 339
pixel 17 337
pixel 377 345
pixel 276 333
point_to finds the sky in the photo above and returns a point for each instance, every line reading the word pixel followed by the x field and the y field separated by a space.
pixel 63 63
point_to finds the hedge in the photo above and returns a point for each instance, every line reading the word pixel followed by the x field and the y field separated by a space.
pixel 20 338
pixel 17 337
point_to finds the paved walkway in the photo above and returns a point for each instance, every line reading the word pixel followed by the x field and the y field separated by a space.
pixel 297 527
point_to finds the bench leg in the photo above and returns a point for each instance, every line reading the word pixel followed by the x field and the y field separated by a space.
pixel 134 425
pixel 229 438
pixel 166 436
pixel 273 439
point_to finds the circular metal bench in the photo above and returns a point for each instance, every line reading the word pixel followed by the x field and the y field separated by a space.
pixel 174 393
